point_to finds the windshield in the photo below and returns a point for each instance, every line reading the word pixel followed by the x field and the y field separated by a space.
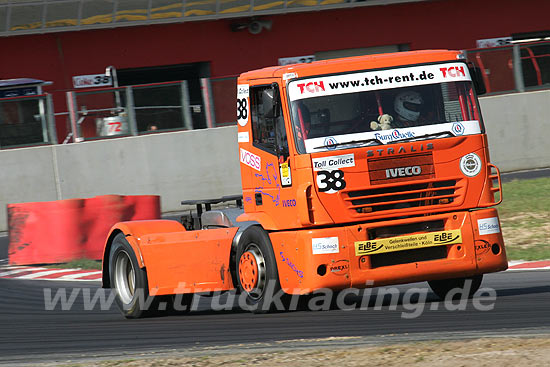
pixel 381 107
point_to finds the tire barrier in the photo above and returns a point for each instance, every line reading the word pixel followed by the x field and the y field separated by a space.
pixel 64 230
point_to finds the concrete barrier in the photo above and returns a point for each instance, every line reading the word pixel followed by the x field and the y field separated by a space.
pixel 518 128
pixel 64 230
pixel 204 163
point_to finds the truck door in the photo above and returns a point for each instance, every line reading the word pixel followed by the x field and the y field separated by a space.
pixel 271 186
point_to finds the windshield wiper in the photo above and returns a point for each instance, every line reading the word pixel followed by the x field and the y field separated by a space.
pixel 426 136
pixel 365 141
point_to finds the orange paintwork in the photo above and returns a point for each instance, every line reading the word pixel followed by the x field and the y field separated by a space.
pixel 298 214
pixel 180 261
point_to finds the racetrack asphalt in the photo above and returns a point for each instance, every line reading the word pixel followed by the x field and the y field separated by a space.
pixel 31 333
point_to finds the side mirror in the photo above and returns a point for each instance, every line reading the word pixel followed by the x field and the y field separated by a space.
pixel 271 101
pixel 477 79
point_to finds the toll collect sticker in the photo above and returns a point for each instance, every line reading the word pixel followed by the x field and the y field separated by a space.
pixel 326 245
pixel 488 226
pixel 242 104
pixel 333 162
pixel 251 159
pixel 408 242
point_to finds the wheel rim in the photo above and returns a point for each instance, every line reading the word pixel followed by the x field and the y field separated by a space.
pixel 125 277
pixel 252 271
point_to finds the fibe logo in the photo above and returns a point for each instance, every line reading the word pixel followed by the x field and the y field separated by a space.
pixel 312 87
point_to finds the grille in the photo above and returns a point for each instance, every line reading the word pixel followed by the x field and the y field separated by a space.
pixel 408 256
pixel 409 195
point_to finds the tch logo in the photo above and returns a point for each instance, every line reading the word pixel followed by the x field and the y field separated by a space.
pixel 403 171
pixel 311 87
pixel 453 71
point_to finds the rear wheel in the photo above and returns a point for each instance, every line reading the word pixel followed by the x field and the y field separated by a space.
pixel 130 284
pixel 456 287
pixel 257 270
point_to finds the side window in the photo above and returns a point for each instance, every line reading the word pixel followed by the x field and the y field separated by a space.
pixel 268 133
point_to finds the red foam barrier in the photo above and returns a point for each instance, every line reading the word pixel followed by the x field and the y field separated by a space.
pixel 65 230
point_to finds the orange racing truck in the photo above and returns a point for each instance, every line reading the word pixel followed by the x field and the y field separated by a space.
pixel 356 172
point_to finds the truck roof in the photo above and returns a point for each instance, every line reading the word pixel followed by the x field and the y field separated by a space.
pixel 355 63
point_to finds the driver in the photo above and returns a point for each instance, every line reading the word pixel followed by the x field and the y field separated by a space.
pixel 407 105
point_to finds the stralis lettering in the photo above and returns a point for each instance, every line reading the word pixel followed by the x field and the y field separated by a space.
pixel 403 171
pixel 403 149
pixel 333 162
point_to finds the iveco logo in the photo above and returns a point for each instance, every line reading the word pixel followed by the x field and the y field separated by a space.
pixel 403 171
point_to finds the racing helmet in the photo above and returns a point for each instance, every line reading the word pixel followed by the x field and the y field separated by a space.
pixel 408 104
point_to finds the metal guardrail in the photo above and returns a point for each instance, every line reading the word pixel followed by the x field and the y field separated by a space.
pixel 44 16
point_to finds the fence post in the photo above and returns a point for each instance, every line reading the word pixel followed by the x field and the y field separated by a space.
pixel 71 104
pixel 185 106
pixel 518 71
pixel 131 110
pixel 208 102
pixel 50 119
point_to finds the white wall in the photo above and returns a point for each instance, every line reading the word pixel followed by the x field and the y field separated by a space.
pixel 518 126
pixel 204 163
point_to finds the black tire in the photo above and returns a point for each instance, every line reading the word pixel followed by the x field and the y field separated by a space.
pixel 442 287
pixel 255 241
pixel 129 282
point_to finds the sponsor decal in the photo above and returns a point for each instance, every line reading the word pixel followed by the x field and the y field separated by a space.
pixel 376 80
pixel 470 165
pixel 403 171
pixel 408 242
pixel 243 137
pixel 330 143
pixel 458 128
pixel 453 71
pixel 286 179
pixel 311 87
pixel 288 76
pixel 488 226
pixel 326 245
pixel 333 162
pixel 315 145
pixel 339 267
pixel 289 203
pixel 394 135
pixel 242 104
pixel 251 159
pixel 483 247
pixel 291 265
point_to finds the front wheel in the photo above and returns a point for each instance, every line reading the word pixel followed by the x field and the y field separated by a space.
pixel 257 273
pixel 456 288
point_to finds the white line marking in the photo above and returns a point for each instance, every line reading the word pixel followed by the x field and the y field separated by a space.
pixel 80 275
pixel 11 272
pixel 44 273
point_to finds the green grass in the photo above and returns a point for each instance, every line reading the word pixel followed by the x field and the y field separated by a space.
pixel 525 219
pixel 81 263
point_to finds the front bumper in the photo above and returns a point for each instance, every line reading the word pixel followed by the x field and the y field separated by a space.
pixel 308 260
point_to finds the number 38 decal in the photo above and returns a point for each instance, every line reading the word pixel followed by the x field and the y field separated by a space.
pixel 330 181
